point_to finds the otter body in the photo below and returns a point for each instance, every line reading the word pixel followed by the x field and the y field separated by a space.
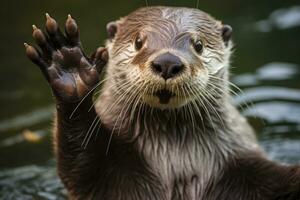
pixel 163 126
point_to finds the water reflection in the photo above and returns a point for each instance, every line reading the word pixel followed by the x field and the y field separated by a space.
pixel 277 106
pixel 281 19
pixel 276 112
pixel 274 71
pixel 268 93
pixel 278 148
pixel 277 71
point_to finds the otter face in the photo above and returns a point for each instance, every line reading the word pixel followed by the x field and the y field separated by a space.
pixel 166 57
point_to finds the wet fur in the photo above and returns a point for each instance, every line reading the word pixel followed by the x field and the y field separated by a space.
pixel 149 153
pixel 167 169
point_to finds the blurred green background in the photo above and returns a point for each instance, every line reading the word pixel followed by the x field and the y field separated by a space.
pixel 266 65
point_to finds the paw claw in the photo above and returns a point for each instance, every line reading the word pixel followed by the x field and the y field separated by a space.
pixel 72 30
pixel 31 53
pixel 34 27
pixel 71 26
pixel 51 24
pixel 47 15
pixel 38 35
pixel 62 61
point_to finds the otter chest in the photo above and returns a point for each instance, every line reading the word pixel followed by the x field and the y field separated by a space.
pixel 184 168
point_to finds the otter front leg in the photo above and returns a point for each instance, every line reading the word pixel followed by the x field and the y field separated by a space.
pixel 72 77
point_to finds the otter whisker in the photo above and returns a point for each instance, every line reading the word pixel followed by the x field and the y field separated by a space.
pixel 196 106
pixel 91 133
pixel 212 107
pixel 178 91
pixel 236 87
pixel 85 96
pixel 135 102
pixel 98 130
pixel 123 92
pixel 128 102
pixel 88 132
pixel 141 95
pixel 189 109
pixel 112 86
pixel 210 96
pixel 220 87
pixel 118 100
pixel 200 99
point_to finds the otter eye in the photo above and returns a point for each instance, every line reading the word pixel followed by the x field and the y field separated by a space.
pixel 198 46
pixel 138 43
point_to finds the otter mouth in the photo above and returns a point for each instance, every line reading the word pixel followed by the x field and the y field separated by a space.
pixel 164 96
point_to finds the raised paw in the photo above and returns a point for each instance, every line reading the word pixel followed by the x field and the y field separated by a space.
pixel 70 73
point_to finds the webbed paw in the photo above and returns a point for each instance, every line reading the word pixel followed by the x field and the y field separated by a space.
pixel 70 73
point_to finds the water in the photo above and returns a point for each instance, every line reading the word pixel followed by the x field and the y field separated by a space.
pixel 266 65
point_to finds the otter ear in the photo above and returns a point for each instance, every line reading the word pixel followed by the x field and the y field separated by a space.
pixel 226 33
pixel 111 29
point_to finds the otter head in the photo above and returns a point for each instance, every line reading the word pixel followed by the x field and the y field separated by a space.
pixel 165 57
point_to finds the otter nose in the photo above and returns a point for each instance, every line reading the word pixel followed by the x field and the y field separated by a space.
pixel 167 65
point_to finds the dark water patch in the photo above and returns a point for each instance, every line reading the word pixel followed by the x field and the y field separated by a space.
pixel 31 182
pixel 28 119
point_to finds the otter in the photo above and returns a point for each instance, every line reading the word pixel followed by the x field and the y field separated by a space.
pixel 162 126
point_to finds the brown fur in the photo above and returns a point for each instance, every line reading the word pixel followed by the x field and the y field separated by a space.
pixel 123 148
pixel 253 177
pixel 163 33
